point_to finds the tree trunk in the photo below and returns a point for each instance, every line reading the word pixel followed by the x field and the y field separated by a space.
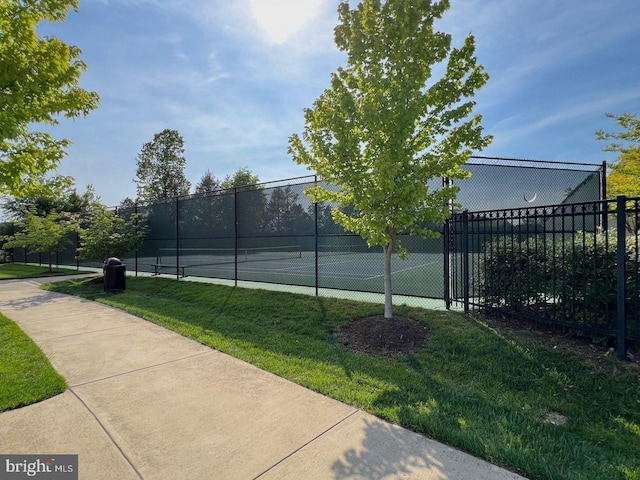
pixel 50 264
pixel 388 296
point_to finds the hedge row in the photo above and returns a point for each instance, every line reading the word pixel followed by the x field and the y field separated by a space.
pixel 574 282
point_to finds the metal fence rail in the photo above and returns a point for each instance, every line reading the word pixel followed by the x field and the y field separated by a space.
pixel 574 265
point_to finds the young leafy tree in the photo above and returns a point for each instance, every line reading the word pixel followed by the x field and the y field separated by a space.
pixel 384 128
pixel 38 82
pixel 109 235
pixel 43 234
pixel 629 136
pixel 160 170
pixel 624 177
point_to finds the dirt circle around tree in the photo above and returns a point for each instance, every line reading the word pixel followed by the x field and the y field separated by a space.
pixel 382 337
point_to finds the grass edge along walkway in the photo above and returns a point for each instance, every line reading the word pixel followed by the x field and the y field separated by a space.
pixel 470 387
pixel 13 271
pixel 26 375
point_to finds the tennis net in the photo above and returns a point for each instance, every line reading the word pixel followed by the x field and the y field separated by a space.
pixel 217 256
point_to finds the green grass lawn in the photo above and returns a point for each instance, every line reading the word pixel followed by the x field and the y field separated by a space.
pixel 26 376
pixel 470 387
pixel 10 271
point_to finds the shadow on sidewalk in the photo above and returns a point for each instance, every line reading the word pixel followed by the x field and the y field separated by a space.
pixel 387 451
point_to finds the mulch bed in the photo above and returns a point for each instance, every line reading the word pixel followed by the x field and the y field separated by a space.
pixel 382 337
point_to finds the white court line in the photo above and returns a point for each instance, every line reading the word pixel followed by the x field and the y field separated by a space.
pixel 403 270
pixel 287 270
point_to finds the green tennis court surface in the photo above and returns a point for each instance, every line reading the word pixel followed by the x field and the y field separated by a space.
pixel 421 274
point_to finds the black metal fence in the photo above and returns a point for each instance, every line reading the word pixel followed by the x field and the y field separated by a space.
pixel 569 263
pixel 574 265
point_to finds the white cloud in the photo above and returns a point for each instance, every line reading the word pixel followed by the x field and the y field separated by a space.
pixel 585 108
pixel 518 42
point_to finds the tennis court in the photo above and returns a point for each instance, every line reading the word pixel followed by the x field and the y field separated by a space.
pixel 421 274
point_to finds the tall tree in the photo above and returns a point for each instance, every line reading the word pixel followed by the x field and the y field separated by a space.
pixel 384 128
pixel 284 215
pixel 250 201
pixel 38 82
pixel 242 178
pixel 209 211
pixel 56 200
pixel 208 184
pixel 160 167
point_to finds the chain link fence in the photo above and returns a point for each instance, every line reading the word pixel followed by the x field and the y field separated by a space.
pixel 273 233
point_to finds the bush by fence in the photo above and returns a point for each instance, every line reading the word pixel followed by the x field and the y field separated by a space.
pixel 574 265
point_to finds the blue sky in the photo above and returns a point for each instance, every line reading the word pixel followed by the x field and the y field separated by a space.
pixel 233 78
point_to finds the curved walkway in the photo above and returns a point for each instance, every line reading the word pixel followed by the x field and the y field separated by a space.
pixel 144 402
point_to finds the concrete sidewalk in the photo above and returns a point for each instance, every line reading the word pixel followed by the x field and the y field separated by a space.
pixel 144 402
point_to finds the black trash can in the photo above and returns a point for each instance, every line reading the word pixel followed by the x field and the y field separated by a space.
pixel 114 273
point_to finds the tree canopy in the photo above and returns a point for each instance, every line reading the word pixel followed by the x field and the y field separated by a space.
pixel 628 138
pixel 43 234
pixel 624 178
pixel 38 83
pixel 208 184
pixel 63 198
pixel 242 178
pixel 384 129
pixel 110 235
pixel 160 167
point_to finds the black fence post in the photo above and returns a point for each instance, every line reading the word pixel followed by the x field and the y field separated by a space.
pixel 603 197
pixel 77 253
pixel 135 212
pixel 603 185
pixel 465 258
pixel 621 276
pixel 446 244
pixel 235 234
pixel 177 237
pixel 315 210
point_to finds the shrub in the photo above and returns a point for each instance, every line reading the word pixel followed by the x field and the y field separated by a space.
pixel 514 274
pixel 587 293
